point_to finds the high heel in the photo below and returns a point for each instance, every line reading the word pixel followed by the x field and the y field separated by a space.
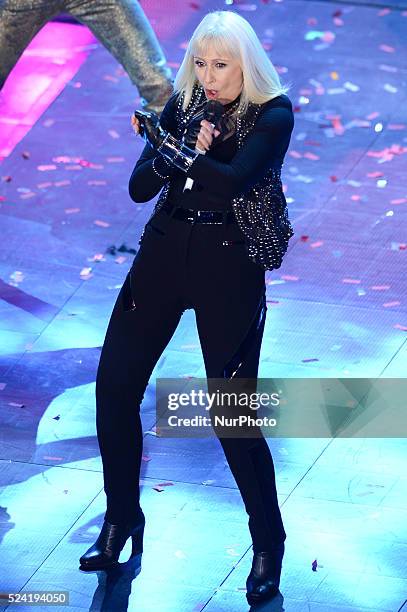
pixel 264 579
pixel 105 552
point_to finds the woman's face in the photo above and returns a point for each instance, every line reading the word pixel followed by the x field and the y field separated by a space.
pixel 219 74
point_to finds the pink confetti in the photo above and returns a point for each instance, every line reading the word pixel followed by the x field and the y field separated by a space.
pixel 295 154
pixel 101 223
pixel 44 185
pixel 167 483
pixel 3 386
pixel 387 48
pixel 402 327
pixel 374 174
pixel 315 245
pixel 115 160
pixel 145 458
pixel 311 156
pixel 71 211
pixel 121 259
pixel 108 77
pixel 113 133
pixel 44 168
pixel 380 287
pixel 398 201
pixel 26 196
pixel 290 277
pixel 97 182
pixel 337 125
pixel 328 36
pixel 384 12
pixel 373 115
pixel 396 126
pixel 390 304
pixel 62 183
pixel 16 405
pixel 356 198
pixel 351 281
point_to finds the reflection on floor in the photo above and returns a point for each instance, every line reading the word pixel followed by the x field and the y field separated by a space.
pixel 336 308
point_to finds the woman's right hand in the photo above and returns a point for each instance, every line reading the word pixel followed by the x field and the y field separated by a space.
pixel 135 124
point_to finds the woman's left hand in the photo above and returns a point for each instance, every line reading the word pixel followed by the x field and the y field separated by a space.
pixel 206 135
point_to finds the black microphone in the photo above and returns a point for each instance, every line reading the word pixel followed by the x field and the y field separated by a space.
pixel 213 111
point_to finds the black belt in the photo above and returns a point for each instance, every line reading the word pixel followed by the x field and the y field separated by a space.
pixel 198 216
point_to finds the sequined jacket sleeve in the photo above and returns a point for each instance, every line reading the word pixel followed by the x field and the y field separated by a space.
pixel 263 148
pixel 144 182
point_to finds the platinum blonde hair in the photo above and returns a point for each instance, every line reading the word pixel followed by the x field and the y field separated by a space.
pixel 231 35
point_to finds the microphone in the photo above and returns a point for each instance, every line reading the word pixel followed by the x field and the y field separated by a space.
pixel 213 111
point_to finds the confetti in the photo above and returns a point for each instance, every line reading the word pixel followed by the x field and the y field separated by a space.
pixel 387 48
pixel 25 155
pixel 402 327
pixel 315 245
pixel 391 304
pixel 351 281
pixel 121 259
pixel 97 182
pixel 309 360
pixel 312 156
pixel 101 223
pixel 3 386
pixel 71 211
pixel 85 272
pixel 113 133
pixel 314 565
pixel 17 276
pixel 289 277
pixel 45 168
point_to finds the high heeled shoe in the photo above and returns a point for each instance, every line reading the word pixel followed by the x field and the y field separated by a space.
pixel 264 579
pixel 105 552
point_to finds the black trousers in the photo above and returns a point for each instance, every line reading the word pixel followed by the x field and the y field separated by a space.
pixel 179 266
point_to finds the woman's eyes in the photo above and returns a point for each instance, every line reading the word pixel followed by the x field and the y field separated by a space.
pixel 201 64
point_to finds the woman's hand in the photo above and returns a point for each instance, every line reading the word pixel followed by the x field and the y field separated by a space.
pixel 206 135
pixel 135 124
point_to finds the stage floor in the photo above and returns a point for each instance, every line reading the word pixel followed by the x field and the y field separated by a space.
pixel 336 308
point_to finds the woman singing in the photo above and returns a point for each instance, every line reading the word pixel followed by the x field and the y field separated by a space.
pixel 219 223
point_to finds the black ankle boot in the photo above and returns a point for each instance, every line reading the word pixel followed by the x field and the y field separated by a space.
pixel 105 552
pixel 264 579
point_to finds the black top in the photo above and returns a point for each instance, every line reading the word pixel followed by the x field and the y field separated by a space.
pixel 224 171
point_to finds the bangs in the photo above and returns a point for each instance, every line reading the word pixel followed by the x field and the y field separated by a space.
pixel 222 45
